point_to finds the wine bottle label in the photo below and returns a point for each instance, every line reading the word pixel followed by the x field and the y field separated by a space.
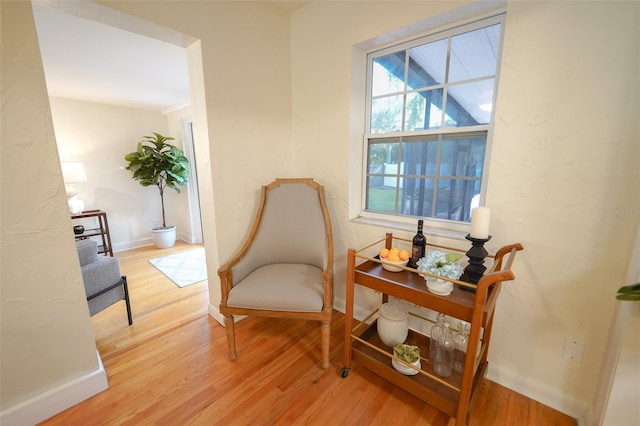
pixel 416 255
pixel 418 247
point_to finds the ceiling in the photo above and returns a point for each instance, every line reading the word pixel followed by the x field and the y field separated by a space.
pixel 85 59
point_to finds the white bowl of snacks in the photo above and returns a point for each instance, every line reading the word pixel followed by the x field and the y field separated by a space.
pixel 394 258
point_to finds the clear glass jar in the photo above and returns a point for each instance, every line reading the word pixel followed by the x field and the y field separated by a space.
pixel 460 343
pixel 436 332
pixel 443 358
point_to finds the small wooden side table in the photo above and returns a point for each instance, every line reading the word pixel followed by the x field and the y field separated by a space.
pixel 101 231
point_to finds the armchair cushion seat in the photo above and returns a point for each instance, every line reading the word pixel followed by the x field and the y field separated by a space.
pixel 280 287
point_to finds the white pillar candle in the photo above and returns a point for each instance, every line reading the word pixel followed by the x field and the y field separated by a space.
pixel 480 222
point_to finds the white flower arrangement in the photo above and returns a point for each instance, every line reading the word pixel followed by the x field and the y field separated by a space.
pixel 441 264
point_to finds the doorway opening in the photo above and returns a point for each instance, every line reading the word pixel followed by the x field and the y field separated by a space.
pixel 91 124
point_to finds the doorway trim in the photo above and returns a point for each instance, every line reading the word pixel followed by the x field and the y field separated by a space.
pixel 195 217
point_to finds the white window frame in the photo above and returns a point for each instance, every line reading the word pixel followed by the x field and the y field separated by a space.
pixel 399 221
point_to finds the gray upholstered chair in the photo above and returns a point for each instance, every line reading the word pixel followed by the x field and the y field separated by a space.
pixel 285 268
pixel 103 283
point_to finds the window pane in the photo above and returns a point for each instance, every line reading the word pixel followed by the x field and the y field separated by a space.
pixel 381 194
pixel 419 156
pixel 386 114
pixel 462 157
pixel 469 104
pixel 424 110
pixel 417 197
pixel 388 74
pixel 381 153
pixel 427 64
pixel 454 199
pixel 474 54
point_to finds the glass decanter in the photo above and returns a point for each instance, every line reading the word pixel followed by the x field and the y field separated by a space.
pixel 443 358
pixel 460 342
pixel 436 332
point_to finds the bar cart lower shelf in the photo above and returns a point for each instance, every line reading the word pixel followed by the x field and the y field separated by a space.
pixel 421 385
pixel 453 395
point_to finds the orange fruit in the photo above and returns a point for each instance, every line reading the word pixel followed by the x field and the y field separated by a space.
pixel 404 255
pixel 394 250
pixel 393 256
pixel 384 252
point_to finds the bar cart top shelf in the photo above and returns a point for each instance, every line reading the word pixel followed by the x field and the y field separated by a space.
pixel 409 283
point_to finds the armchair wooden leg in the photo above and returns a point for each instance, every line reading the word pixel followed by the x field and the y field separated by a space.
pixel 325 329
pixel 231 336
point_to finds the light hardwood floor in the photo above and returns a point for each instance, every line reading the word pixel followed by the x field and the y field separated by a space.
pixel 171 368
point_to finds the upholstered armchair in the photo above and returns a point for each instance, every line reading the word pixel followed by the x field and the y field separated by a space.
pixel 285 268
pixel 103 283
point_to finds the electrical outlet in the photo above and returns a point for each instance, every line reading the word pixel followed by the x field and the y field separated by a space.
pixel 573 349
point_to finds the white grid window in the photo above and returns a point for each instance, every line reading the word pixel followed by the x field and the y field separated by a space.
pixel 428 122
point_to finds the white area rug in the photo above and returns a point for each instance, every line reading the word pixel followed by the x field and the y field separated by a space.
pixel 186 268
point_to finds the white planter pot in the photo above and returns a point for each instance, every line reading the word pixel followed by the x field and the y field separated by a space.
pixel 439 287
pixel 164 237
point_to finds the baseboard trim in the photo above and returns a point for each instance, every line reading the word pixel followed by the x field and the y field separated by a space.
pixel 215 314
pixel 539 392
pixel 187 238
pixel 130 245
pixel 56 400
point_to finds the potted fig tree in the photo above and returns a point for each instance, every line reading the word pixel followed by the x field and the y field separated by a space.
pixel 158 163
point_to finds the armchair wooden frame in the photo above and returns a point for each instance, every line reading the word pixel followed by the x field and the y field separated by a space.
pixel 226 274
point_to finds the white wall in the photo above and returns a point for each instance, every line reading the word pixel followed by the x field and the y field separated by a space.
pixel 48 345
pixel 245 89
pixel 565 154
pixel 244 50
pixel 100 136
pixel 565 165
pixel 616 403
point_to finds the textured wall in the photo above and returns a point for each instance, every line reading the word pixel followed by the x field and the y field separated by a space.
pixel 563 178
pixel 46 333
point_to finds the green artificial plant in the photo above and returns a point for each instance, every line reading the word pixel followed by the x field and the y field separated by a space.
pixel 158 163
pixel 408 353
pixel 629 292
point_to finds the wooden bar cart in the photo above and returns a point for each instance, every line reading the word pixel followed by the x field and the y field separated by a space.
pixel 452 395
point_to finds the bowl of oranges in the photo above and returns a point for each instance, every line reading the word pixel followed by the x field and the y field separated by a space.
pixel 394 256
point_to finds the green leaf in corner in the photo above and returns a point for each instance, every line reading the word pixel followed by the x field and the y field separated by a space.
pixel 629 293
pixel 453 257
pixel 628 297
pixel 629 288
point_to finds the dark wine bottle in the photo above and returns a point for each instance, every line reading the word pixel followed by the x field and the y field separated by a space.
pixel 418 248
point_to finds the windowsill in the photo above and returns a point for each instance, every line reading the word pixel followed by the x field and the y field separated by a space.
pixel 436 231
